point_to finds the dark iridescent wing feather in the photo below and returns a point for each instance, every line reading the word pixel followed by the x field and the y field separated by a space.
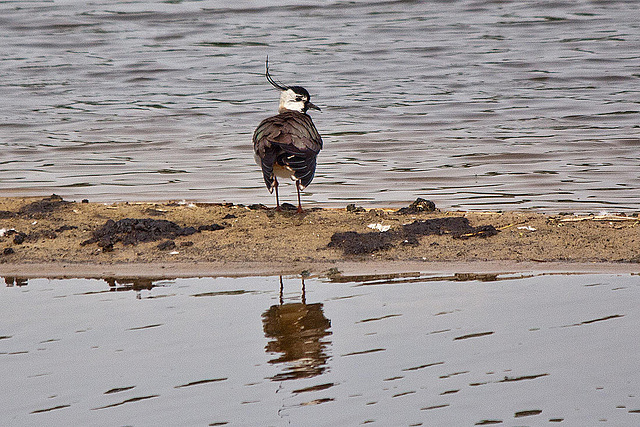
pixel 289 139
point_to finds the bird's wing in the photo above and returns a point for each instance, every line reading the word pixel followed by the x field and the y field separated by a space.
pixel 289 139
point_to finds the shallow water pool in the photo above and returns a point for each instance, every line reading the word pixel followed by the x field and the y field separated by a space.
pixel 270 351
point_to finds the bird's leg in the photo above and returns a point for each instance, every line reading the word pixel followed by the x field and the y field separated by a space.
pixel 299 203
pixel 275 187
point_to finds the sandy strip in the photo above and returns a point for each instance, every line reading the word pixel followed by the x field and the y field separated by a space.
pixel 52 237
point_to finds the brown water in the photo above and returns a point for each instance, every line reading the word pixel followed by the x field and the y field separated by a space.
pixel 474 104
pixel 405 351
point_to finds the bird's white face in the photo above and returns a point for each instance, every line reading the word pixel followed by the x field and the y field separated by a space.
pixel 289 100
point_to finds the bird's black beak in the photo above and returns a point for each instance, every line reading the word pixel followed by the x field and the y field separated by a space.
pixel 313 106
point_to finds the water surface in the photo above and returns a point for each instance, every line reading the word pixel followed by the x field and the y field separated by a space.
pixel 420 350
pixel 475 104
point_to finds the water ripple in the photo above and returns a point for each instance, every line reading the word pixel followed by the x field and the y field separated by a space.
pixel 110 96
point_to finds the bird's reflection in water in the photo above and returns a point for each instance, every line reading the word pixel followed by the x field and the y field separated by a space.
pixel 296 332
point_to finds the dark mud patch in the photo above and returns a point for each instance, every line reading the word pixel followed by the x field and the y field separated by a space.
pixel 130 231
pixel 167 245
pixel 457 227
pixel 65 228
pixel 43 207
pixel 354 243
pixel 18 236
pixel 355 209
pixel 419 206
pixel 211 227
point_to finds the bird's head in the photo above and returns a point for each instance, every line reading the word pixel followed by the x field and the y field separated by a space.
pixel 292 98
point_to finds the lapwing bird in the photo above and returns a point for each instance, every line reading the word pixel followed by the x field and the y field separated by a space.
pixel 286 145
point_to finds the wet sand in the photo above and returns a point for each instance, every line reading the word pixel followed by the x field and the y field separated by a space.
pixel 52 237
